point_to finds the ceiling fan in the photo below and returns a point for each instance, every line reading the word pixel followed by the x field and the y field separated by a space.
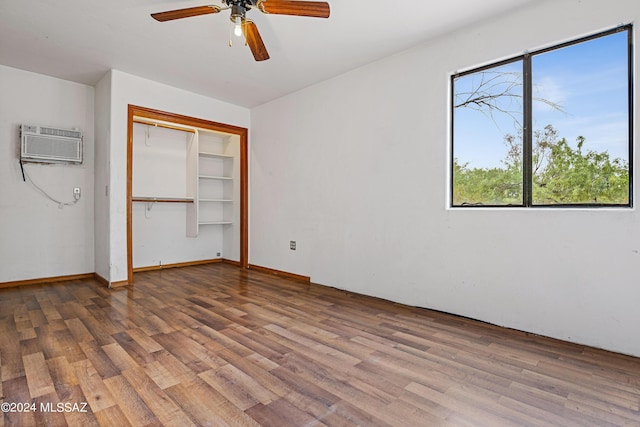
pixel 244 26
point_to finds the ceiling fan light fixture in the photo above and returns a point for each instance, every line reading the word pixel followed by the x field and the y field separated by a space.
pixel 238 11
pixel 237 27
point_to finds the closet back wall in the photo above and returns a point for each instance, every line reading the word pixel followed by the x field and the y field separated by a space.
pixel 159 229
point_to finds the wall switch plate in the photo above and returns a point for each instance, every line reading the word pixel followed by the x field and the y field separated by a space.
pixel 292 245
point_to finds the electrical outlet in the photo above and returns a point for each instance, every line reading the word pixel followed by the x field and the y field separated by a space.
pixel 218 254
pixel 292 245
pixel 76 193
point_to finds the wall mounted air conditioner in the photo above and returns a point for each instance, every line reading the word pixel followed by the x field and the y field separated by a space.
pixel 50 145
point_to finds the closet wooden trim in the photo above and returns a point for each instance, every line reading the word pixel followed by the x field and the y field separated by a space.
pixel 242 133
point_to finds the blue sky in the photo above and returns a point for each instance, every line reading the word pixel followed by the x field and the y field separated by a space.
pixel 587 80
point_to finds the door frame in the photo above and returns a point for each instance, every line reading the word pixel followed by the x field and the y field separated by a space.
pixel 241 132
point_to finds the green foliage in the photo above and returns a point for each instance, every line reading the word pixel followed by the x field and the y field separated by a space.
pixel 561 175
pixel 576 177
pixel 495 186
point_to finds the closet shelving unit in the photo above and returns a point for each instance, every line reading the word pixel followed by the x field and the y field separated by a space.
pixel 216 177
pixel 212 181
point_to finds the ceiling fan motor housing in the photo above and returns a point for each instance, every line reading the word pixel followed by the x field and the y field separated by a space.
pixel 239 7
pixel 245 4
pixel 237 11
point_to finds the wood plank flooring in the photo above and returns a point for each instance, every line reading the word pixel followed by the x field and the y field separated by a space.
pixel 215 345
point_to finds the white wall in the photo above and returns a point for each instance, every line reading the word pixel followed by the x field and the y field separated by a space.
pixel 37 239
pixel 102 175
pixel 128 89
pixel 355 169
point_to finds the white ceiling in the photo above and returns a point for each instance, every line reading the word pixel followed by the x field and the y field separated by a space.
pixel 79 40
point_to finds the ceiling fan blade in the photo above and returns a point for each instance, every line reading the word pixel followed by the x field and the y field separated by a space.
pixel 185 13
pixel 316 9
pixel 254 41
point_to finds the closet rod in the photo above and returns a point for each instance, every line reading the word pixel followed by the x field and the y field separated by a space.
pixel 163 125
pixel 161 200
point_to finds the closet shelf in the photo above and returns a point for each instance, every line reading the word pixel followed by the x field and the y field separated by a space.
pixel 227 178
pixel 215 200
pixel 210 154
pixel 161 199
pixel 215 222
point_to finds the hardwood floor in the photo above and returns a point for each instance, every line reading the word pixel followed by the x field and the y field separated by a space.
pixel 217 345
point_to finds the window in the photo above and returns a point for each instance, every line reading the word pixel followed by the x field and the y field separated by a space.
pixel 549 128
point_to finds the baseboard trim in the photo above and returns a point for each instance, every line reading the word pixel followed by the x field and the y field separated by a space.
pixel 280 273
pixel 98 278
pixel 44 280
pixel 119 284
pixel 177 264
pixel 108 284
pixel 101 280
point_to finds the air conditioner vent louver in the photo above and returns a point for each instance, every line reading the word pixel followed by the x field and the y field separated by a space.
pixel 50 145
pixel 61 132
